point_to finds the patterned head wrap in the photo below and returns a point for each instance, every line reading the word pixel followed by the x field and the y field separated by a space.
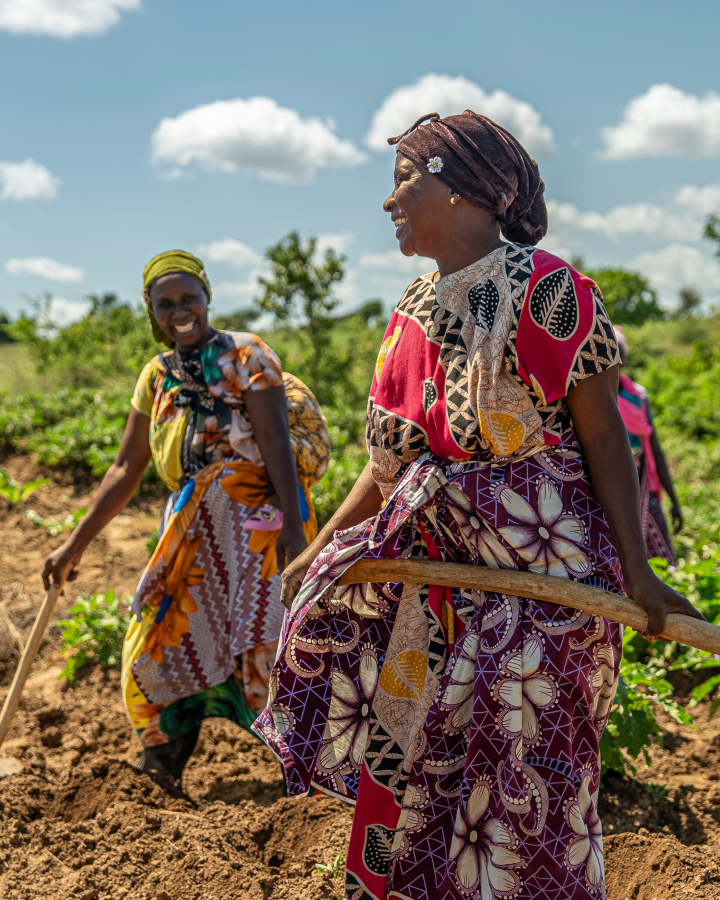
pixel 169 263
pixel 485 165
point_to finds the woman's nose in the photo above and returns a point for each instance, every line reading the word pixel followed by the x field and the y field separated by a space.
pixel 389 203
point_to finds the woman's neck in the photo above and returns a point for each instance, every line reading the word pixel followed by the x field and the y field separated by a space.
pixel 198 345
pixel 461 254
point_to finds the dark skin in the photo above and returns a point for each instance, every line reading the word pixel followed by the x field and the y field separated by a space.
pixel 180 306
pixel 666 481
pixel 664 474
pixel 434 221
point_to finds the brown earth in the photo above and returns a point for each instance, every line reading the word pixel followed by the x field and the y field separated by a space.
pixel 76 821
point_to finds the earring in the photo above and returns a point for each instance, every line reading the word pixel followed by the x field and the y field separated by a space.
pixel 453 200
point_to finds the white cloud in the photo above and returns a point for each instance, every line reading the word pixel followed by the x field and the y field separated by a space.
pixel 555 244
pixel 394 261
pixel 676 266
pixel 64 312
pixel 234 290
pixel 27 180
pixel 680 219
pixel 452 96
pixel 230 251
pixel 42 267
pixel 632 218
pixel 62 18
pixel 339 242
pixel 666 121
pixel 701 201
pixel 257 135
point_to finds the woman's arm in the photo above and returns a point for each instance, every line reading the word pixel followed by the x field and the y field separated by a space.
pixel 363 501
pixel 116 489
pixel 267 411
pixel 602 435
pixel 666 480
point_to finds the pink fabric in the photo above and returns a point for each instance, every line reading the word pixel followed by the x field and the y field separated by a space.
pixel 636 422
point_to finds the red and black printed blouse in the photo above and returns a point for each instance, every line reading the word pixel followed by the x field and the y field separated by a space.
pixel 479 362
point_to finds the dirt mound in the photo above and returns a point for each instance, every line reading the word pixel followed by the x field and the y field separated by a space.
pixel 77 821
pixel 653 867
pixel 115 559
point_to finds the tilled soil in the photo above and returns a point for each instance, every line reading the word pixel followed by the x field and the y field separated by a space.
pixel 77 821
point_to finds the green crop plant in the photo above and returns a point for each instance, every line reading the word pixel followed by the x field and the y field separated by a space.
pixel 95 633
pixel 16 492
pixel 332 870
pixel 152 542
pixel 642 692
pixel 56 526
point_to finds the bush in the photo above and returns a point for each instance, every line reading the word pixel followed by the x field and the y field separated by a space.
pixel 112 341
pixel 94 633
pixel 642 690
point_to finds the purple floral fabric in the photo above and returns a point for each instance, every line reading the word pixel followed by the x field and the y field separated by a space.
pixel 466 724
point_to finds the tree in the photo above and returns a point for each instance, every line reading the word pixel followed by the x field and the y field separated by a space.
pixel 240 320
pixel 5 335
pixel 110 341
pixel 712 231
pixel 690 302
pixel 370 313
pixel 299 294
pixel 629 298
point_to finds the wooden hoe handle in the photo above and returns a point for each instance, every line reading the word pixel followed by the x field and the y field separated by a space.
pixel 28 657
pixel 684 629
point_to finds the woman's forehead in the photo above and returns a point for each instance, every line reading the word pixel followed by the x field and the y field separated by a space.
pixel 174 282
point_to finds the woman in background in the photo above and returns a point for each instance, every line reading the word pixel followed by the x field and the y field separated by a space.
pixel 239 443
pixel 650 460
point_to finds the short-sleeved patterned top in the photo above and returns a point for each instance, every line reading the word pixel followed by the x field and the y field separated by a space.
pixel 479 362
pixel 197 414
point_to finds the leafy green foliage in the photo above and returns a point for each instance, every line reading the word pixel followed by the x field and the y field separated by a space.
pixel 112 341
pixel 94 633
pixel 333 869
pixel 642 690
pixel 629 298
pixel 152 542
pixel 15 492
pixel 712 231
pixel 689 305
pixel 5 333
pixel 79 429
pixel 299 293
pixel 56 526
pixel 240 320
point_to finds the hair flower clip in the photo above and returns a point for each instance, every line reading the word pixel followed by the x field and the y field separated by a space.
pixel 434 165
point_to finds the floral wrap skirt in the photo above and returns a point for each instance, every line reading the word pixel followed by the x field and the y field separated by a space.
pixel 464 724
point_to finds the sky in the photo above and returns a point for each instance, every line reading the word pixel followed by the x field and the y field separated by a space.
pixel 128 127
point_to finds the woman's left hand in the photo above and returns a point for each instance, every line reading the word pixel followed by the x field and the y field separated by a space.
pixel 657 599
pixel 677 517
pixel 290 544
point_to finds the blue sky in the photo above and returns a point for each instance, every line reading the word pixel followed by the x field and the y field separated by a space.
pixel 619 101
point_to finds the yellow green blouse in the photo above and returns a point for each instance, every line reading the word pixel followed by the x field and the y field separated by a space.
pixel 196 410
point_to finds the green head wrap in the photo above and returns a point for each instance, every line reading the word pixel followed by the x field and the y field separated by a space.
pixel 169 263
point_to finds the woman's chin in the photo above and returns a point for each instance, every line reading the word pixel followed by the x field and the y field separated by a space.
pixel 187 338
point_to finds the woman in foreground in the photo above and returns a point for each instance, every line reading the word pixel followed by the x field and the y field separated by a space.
pixel 239 443
pixel 467 723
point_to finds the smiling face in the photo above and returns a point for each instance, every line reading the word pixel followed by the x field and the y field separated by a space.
pixel 419 207
pixel 180 305
pixel 433 220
